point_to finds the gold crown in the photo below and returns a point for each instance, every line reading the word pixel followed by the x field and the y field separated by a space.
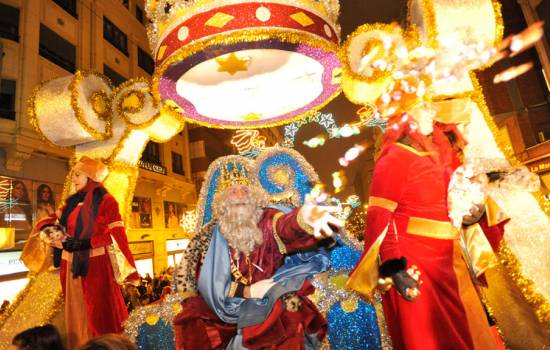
pixel 165 14
pixel 237 174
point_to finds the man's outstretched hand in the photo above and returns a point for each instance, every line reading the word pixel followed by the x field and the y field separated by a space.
pixel 320 217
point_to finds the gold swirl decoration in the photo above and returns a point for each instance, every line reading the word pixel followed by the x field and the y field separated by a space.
pixel 111 125
pixel 519 288
pixel 366 42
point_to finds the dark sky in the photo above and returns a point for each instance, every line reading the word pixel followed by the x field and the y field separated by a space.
pixel 353 13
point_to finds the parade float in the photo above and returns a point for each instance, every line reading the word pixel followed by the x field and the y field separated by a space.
pixel 244 64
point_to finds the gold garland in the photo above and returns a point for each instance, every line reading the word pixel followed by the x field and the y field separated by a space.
pixel 103 112
pixel 119 110
pixel 539 304
pixel 428 10
pixel 491 313
pixel 249 35
pixel 56 309
pixel 18 299
pixel 79 114
pixel 132 172
pixel 378 75
pixel 499 25
pixel 527 287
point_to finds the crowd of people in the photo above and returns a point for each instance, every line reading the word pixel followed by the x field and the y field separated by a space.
pixel 47 337
pixel 150 290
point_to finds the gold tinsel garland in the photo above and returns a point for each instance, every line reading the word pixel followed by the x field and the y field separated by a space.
pixel 15 303
pixel 507 257
pixel 79 113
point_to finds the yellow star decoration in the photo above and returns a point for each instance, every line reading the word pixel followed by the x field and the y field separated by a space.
pixel 250 117
pixel 232 64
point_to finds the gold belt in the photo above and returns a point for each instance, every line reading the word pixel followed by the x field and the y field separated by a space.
pixel 432 228
pixel 93 252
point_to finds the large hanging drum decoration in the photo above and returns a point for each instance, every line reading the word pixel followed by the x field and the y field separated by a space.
pixel 243 63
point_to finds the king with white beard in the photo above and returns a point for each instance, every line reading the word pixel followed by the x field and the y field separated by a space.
pixel 249 268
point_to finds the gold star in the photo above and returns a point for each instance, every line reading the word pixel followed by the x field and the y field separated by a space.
pixel 250 117
pixel 232 64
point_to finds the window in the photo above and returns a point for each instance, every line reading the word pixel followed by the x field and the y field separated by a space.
pixel 56 49
pixel 9 22
pixel 139 14
pixel 68 5
pixel 126 3
pixel 116 78
pixel 177 163
pixel 151 153
pixel 145 61
pixel 7 99
pixel 115 36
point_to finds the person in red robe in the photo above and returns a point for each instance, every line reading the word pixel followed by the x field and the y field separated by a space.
pixel 411 243
pixel 237 266
pixel 91 221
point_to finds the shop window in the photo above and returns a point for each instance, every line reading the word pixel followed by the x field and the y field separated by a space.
pixel 56 49
pixel 151 153
pixel 116 78
pixel 7 99
pixel 9 22
pixel 139 14
pixel 68 5
pixel 145 61
pixel 115 36
pixel 177 163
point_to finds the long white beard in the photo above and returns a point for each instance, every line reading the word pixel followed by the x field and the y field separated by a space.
pixel 239 226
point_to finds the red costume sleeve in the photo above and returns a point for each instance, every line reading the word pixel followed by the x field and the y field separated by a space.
pixel 115 228
pixel 387 185
pixel 294 234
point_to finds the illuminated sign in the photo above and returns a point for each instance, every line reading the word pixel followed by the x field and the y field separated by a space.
pixel 141 248
pixel 159 169
pixel 10 263
pixel 540 166
pixel 176 245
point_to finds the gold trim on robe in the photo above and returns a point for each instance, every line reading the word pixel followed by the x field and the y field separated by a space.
pixel 481 256
pixel 382 203
pixel 364 279
pixel 432 228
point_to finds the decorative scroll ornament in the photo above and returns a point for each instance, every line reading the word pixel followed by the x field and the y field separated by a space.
pixel 243 64
pixel 113 125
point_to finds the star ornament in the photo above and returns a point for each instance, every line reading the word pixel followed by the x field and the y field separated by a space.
pixel 232 64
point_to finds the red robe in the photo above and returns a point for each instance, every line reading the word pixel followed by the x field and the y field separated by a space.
pixel 197 327
pixel 408 216
pixel 99 295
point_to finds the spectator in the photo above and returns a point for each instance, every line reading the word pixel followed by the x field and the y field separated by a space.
pixel 4 307
pixel 165 291
pixel 38 338
pixel 109 342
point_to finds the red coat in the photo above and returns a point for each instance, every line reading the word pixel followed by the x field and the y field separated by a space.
pixel 104 304
pixel 408 216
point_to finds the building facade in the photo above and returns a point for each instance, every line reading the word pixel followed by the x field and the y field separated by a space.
pixel 45 39
pixel 521 107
